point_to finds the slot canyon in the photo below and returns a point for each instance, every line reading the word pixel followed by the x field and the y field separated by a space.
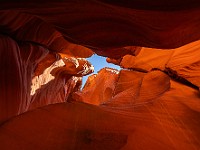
pixel 151 103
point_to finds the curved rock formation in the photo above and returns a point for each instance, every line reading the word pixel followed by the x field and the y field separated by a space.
pixel 151 103
pixel 27 68
pixel 181 62
pixel 172 122
pixel 99 88
pixel 105 26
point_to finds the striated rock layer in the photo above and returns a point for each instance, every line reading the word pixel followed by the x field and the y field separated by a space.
pixel 35 77
pixel 170 122
pixel 182 62
pixel 153 102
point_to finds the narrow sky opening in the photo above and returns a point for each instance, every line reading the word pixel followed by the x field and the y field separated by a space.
pixel 98 62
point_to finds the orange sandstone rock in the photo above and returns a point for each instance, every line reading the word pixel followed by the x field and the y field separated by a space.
pixel 42 46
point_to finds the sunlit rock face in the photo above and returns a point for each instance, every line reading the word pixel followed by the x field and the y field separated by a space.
pixel 124 89
pixel 98 88
pixel 178 63
pixel 35 89
pixel 58 81
pixel 153 102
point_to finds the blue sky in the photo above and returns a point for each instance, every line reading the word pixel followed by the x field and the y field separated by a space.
pixel 99 62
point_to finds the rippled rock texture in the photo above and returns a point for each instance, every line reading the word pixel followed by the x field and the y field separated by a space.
pixel 153 102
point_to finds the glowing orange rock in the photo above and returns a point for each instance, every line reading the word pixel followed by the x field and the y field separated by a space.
pixel 35 76
pixel 136 88
pixel 98 88
pixel 42 46
pixel 170 122
pixel 58 81
pixel 182 62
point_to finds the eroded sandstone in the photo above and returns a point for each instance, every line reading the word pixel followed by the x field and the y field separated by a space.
pixel 151 103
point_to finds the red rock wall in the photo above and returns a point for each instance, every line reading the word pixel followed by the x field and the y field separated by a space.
pixel 16 72
pixel 99 88
pixel 153 103
pixel 24 67
pixel 171 122
pixel 99 25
